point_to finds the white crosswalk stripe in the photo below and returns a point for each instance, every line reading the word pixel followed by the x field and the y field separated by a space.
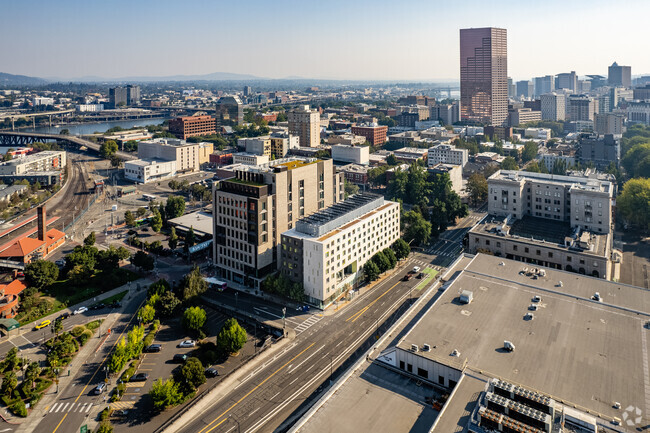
pixel 64 407
pixel 88 408
pixel 308 323
pixel 55 407
pixel 81 409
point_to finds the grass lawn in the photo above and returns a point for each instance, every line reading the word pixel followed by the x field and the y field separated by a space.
pixel 118 297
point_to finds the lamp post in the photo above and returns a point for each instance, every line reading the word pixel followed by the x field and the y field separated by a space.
pixel 284 320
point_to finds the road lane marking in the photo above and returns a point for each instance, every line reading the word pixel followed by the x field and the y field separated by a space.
pixel 203 430
pixel 363 310
pixel 278 393
pixel 83 407
pixel 54 406
pixel 60 422
pixel 64 407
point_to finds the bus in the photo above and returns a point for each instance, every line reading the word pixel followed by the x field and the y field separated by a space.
pixel 149 197
pixel 216 284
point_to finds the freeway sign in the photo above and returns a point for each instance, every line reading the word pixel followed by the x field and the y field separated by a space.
pixel 84 429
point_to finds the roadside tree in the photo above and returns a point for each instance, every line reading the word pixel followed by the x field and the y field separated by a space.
pixel 232 337
pixel 41 273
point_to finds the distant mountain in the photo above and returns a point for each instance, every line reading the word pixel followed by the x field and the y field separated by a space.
pixel 10 80
pixel 215 76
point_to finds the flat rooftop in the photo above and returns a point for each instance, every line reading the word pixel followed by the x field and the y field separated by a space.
pixel 576 350
pixel 585 182
pixel 201 223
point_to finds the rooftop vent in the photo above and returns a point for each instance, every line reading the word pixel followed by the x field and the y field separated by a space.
pixel 414 347
pixel 426 348
pixel 455 353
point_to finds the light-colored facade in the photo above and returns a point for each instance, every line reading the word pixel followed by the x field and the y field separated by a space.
pixel 553 106
pixel 581 108
pixel 545 84
pixel 282 142
pixel 37 162
pixel 305 123
pixel 326 252
pixel 89 108
pixel 538 133
pixel 639 112
pixel 42 100
pixel 186 155
pixel 347 139
pixel 351 153
pixel 149 170
pixel 250 158
pixel 455 173
pixel 521 116
pixel 252 210
pixel 447 154
pixel 205 150
pixel 549 160
pixel 256 145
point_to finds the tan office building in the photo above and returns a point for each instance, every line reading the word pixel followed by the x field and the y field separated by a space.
pixel 305 123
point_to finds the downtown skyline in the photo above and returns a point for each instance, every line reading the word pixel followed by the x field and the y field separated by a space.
pixel 340 41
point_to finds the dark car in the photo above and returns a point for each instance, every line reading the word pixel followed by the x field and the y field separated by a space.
pixel 179 357
pixel 407 277
pixel 420 275
pixel 140 377
pixel 63 316
pixel 97 307
pixel 154 348
pixel 211 372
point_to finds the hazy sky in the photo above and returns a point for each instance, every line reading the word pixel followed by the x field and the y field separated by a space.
pixel 340 39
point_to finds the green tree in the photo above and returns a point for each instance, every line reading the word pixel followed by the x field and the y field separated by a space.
pixel 417 229
pixel 193 285
pixel 401 248
pixel 118 357
pixel 108 149
pixel 392 160
pixel 390 255
pixel 397 186
pixel 175 207
pixel 190 239
pixel 115 161
pixel 232 337
pixel 477 188
pixel 509 163
pixel 168 304
pixel 146 314
pixel 173 239
pixel 9 383
pixel 634 202
pixel 637 161
pixel 129 219
pixel 370 271
pixel 383 264
pixel 530 151
pixel 192 374
pixel 559 167
pixel 350 188
pixel 156 221
pixel 90 239
pixel 143 261
pixel 417 186
pixel 160 287
pixel 105 427
pixel 41 273
pixel 165 394
pixel 533 167
pixel 193 319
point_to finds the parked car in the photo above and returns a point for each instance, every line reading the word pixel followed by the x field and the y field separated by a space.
pixel 120 413
pixel 421 275
pixel 187 343
pixel 99 388
pixel 211 372
pixel 416 269
pixel 80 310
pixel 537 298
pixel 140 377
pixel 63 316
pixel 97 307
pixel 154 348
pixel 43 324
pixel 179 357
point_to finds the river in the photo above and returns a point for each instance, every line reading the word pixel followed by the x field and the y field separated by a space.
pixel 91 127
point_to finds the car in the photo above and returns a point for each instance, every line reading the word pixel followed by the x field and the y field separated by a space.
pixel 43 324
pixel 421 275
pixel 140 377
pixel 537 298
pixel 416 269
pixel 63 316
pixel 509 346
pixel 187 343
pixel 597 297
pixel 211 372
pixel 97 307
pixel 120 413
pixel 179 357
pixel 154 348
pixel 532 307
pixel 407 277
pixel 80 310
pixel 99 388
pixel 60 263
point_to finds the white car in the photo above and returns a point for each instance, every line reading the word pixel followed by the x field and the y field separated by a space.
pixel 80 310
pixel 187 343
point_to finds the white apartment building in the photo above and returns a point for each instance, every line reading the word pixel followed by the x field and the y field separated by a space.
pixel 37 162
pixel 538 133
pixel 305 123
pixel 326 251
pixel 553 106
pixel 351 153
pixel 89 108
pixel 149 170
pixel 42 100
pixel 249 158
pixel 256 145
pixel 447 154
pixel 185 154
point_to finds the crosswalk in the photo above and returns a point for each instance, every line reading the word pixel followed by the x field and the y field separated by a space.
pixel 71 407
pixel 122 405
pixel 308 323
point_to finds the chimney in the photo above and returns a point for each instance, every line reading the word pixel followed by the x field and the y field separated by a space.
pixel 42 219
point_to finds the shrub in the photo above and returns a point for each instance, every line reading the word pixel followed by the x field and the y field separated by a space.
pixel 104 414
pixel 83 338
pixel 18 409
pixel 126 376
pixel 94 325
pixel 77 331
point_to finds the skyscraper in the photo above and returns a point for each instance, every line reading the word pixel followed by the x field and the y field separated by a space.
pixel 567 80
pixel 619 75
pixel 484 75
pixel 545 84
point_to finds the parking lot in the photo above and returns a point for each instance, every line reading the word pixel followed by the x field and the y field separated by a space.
pixel 161 365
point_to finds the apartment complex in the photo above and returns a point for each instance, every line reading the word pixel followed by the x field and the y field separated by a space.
pixel 484 75
pixel 447 154
pixel 305 123
pixel 374 134
pixel 326 251
pixel 190 126
pixel 37 162
pixel 599 150
pixel 186 155
pixel 124 96
pixel 253 208
pixel 553 106
pixel 609 123
pixel 521 116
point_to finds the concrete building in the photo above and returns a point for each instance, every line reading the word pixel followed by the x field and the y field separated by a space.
pixel 326 251
pixel 257 205
pixel 609 123
pixel 305 123
pixel 149 170
pixel 49 160
pixel 447 114
pixel 374 134
pixel 248 158
pixel 543 85
pixel 553 106
pixel 89 108
pixel 600 151
pixel 641 93
pixel 639 112
pixel 229 110
pixel 521 116
pixel 410 154
pixel 455 173
pixel 568 81
pixel 124 96
pixel 351 153
pixel 538 133
pixel 355 173
pixel 256 145
pixel 581 108
pixel 42 101
pixel 447 154
pixel 206 149
pixel 619 94
pixel 8 191
pixel 347 139
pixel 525 89
pixel 567 159
pixel 190 126
pixel 619 75
pixel 484 75
pixel 186 155
pixel 282 143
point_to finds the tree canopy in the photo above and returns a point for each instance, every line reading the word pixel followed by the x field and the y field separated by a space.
pixel 232 337
pixel 175 207
pixel 634 202
pixel 509 163
pixel 41 273
pixel 108 149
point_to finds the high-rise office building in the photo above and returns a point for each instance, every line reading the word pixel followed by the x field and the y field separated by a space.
pixel 619 75
pixel 230 110
pixel 568 80
pixel 305 123
pixel 545 84
pixel 553 106
pixel 512 88
pixel 253 209
pixel 132 95
pixel 525 89
pixel 248 91
pixel 581 108
pixel 124 96
pixel 484 75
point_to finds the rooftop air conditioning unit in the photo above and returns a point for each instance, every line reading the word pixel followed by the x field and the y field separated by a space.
pixel 414 347
pixel 426 347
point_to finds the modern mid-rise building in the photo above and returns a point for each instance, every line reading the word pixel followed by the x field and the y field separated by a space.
pixel 149 170
pixel 599 150
pixel 484 75
pixel 525 89
pixel 305 123
pixel 619 75
pixel 521 116
pixel 609 123
pixel 229 110
pixel 124 96
pixel 326 251
pixel 638 112
pixel 567 80
pixel 641 93
pixel 186 155
pixel 191 126
pixel 553 106
pixel 581 108
pixel 545 84
pixel 447 114
pixel 347 139
pixel 253 209
pixel 36 162
pixel 447 154
pixel 375 134
pixel 282 142
pixel 250 158
pixel 256 145
pixel 351 153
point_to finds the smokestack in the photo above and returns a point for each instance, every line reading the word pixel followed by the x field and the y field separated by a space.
pixel 41 223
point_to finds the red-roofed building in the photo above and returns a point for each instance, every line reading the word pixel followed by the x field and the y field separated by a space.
pixel 26 249
pixel 9 298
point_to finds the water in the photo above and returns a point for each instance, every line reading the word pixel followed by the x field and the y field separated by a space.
pixel 89 128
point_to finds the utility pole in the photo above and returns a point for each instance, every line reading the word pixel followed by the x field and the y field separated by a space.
pixel 284 321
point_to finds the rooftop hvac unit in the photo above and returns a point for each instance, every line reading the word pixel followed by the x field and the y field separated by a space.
pixel 414 347
pixel 426 347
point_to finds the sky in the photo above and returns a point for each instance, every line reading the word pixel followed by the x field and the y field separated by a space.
pixel 332 39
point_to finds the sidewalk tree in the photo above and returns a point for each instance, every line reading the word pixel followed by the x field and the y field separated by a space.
pixel 129 219
pixel 477 188
pixel 108 149
pixel 193 319
pixel 105 427
pixel 193 285
pixel 168 304
pixel 156 221
pixel 192 374
pixel 370 271
pixel 158 288
pixel 118 358
pixel 41 273
pixel 383 264
pixel 173 239
pixel 401 248
pixel 417 228
pixel 90 239
pixel 9 383
pixel 175 207
pixel 232 337
pixel 146 314
pixel 165 394
pixel 143 261
pixel 390 255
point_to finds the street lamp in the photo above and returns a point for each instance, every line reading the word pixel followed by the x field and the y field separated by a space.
pixel 284 320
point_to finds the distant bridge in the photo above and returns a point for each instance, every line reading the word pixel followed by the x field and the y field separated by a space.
pixel 22 139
